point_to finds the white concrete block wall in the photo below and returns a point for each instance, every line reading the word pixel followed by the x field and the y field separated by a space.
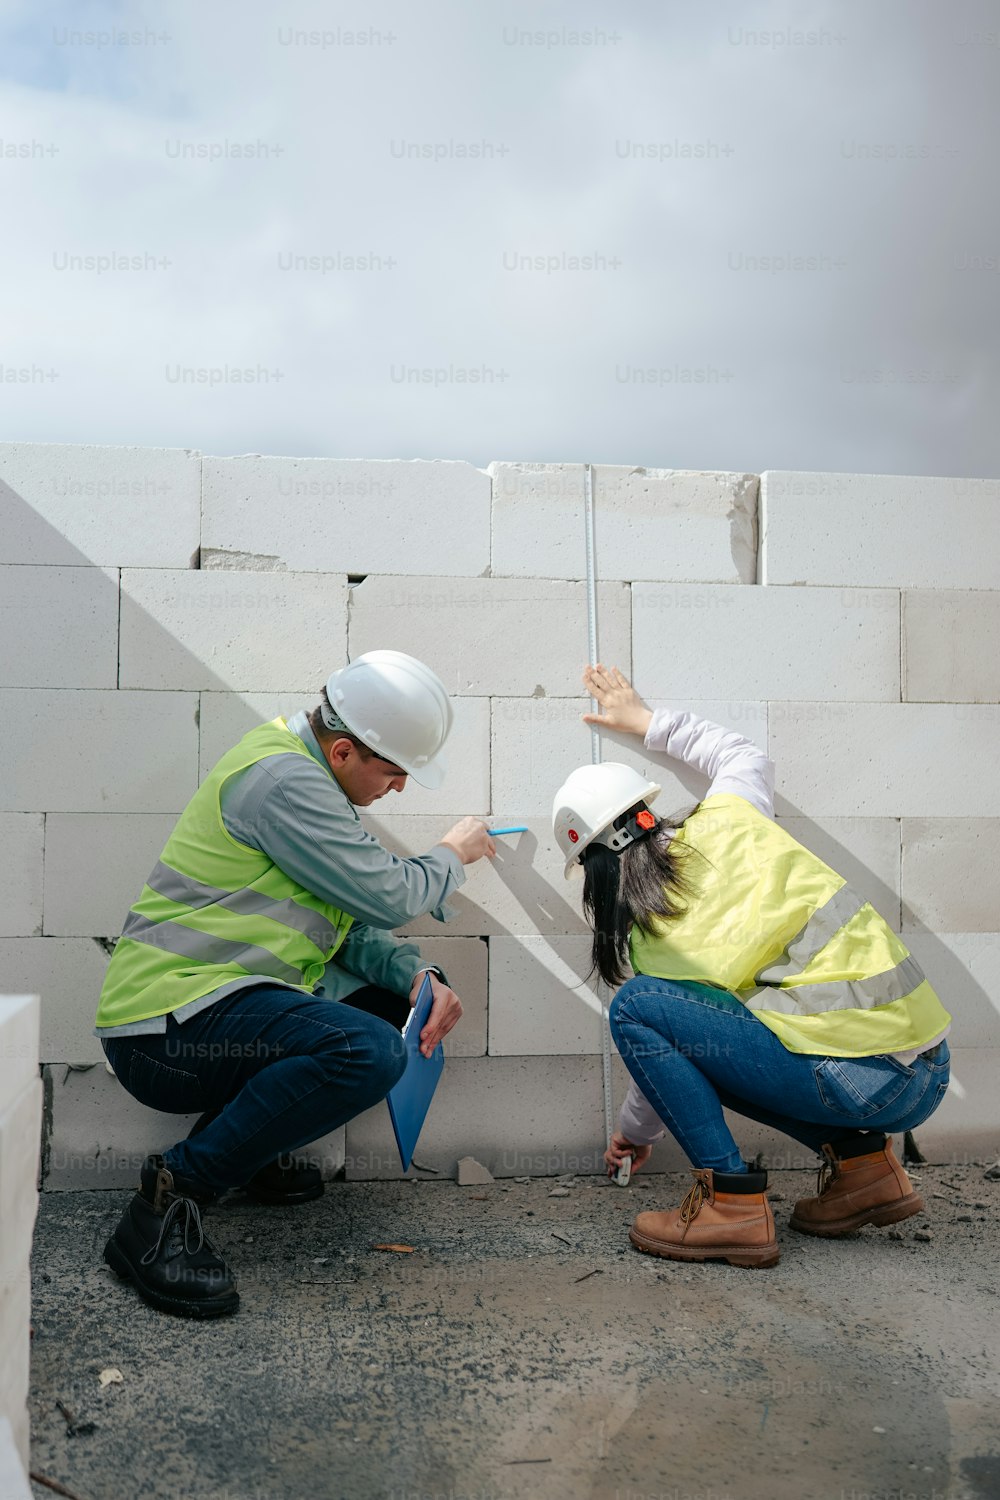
pixel 951 644
pixel 879 531
pixel 80 505
pixel 326 516
pixel 59 626
pixel 491 635
pixel 769 643
pixel 861 653
pixel 246 631
pixel 650 523
pixel 20 1138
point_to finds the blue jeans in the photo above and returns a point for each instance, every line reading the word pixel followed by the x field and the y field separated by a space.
pixel 692 1049
pixel 273 1067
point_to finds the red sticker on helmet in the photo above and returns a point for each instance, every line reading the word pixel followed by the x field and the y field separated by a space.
pixel 574 837
pixel 645 819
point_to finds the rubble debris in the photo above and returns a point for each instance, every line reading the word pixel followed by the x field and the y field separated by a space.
pixel 399 1249
pixel 472 1173
pixel 559 1192
pixel 110 1376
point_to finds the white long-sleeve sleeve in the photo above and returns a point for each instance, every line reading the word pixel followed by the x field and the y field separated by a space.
pixel 733 764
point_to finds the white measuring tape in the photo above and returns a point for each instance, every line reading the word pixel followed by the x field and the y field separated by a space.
pixel 595 756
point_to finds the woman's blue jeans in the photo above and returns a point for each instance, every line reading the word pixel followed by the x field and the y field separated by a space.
pixel 275 1068
pixel 693 1049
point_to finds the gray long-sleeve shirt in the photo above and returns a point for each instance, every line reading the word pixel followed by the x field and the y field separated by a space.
pixel 295 812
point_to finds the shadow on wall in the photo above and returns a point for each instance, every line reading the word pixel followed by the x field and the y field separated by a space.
pixel 97 743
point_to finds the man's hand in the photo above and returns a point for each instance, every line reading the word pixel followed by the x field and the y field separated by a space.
pixel 623 708
pixel 469 840
pixel 619 1149
pixel 445 1012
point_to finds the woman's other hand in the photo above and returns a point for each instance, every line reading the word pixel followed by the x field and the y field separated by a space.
pixel 619 1149
pixel 622 708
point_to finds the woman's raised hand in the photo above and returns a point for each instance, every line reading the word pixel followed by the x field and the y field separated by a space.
pixel 622 708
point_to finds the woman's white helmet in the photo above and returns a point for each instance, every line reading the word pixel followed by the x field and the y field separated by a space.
pixel 397 706
pixel 587 804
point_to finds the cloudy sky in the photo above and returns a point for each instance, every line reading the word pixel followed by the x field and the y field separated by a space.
pixel 698 235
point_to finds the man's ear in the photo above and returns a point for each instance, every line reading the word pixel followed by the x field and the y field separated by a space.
pixel 338 753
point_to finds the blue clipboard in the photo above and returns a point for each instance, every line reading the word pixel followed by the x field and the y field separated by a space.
pixel 410 1098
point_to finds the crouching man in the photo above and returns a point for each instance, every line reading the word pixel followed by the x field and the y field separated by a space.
pixel 225 995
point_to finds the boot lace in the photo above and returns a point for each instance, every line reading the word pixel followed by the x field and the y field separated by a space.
pixel 826 1175
pixel 692 1203
pixel 180 1209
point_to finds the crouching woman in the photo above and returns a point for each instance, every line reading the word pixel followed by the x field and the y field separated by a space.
pixel 763 983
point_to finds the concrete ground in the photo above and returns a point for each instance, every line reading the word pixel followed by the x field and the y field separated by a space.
pixel 525 1350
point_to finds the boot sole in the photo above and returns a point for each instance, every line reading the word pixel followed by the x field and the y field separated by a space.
pixel 183 1306
pixel 285 1200
pixel 888 1213
pixel 755 1257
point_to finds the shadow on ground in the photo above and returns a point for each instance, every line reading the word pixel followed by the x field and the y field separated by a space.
pixel 525 1350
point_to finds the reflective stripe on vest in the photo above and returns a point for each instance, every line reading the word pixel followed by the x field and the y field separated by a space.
pixel 215 911
pixel 777 928
pixel 206 948
pixel 195 893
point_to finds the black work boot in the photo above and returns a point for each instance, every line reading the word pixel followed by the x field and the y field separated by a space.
pixel 281 1183
pixel 286 1181
pixel 161 1247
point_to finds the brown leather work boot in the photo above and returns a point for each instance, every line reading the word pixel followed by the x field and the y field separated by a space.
pixel 859 1183
pixel 725 1216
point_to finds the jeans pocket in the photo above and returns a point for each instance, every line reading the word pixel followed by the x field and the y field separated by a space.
pixel 861 1086
pixel 159 1086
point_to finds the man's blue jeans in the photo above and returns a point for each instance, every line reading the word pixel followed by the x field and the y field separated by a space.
pixel 692 1049
pixel 280 1067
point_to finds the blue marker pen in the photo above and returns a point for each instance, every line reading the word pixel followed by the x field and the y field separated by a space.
pixel 514 828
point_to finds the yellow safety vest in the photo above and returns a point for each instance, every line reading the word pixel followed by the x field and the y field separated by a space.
pixel 215 911
pixel 785 934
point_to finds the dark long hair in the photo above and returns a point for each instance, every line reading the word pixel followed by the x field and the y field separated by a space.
pixel 646 882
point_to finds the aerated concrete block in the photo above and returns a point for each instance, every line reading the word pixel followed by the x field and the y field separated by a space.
pixel 541 1001
pixel 100 1135
pixel 885 759
pixel 520 890
pixel 964 969
pixel 20 1144
pixel 951 644
pixel 19 1023
pixel 14 1457
pixel 67 973
pixel 964 1127
pixel 252 632
pixel 865 851
pixel 226 717
pixel 59 626
pixel 648 523
pixel 538 742
pixel 98 751
pixel 21 838
pixel 78 504
pixel 951 874
pixel 539 1116
pixel 464 961
pixel 325 515
pixel 765 642
pixel 879 530
pixel 121 848
pixel 491 635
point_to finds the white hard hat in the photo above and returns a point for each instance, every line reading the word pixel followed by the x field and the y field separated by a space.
pixel 587 804
pixel 397 706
